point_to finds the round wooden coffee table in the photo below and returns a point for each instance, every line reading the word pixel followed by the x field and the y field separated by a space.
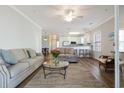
pixel 59 68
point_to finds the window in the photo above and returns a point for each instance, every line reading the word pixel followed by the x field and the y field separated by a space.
pixel 121 40
pixel 97 41
pixel 82 40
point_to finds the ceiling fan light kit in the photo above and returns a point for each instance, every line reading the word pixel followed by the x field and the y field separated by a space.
pixel 69 16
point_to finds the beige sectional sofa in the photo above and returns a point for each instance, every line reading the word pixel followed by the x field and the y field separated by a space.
pixel 13 75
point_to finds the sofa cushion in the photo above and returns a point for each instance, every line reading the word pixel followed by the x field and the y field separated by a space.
pixel 19 54
pixel 9 57
pixel 35 59
pixel 39 57
pixel 32 61
pixel 69 51
pixel 70 55
pixel 32 53
pixel 27 61
pixel 17 69
pixel 61 55
pixel 66 50
pixel 62 50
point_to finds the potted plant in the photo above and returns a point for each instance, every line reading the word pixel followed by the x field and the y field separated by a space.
pixel 55 53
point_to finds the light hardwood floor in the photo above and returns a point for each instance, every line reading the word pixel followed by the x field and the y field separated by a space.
pixel 92 66
pixel 99 73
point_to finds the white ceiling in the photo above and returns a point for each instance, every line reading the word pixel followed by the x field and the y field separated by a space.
pixel 121 11
pixel 48 17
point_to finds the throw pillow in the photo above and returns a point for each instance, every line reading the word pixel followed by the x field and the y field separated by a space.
pixel 3 62
pixel 0 52
pixel 28 53
pixel 32 53
pixel 9 57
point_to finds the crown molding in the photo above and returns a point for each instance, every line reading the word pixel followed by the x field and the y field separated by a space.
pixel 99 24
pixel 25 16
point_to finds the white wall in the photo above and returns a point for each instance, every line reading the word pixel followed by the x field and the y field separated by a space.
pixel 107 44
pixel 17 32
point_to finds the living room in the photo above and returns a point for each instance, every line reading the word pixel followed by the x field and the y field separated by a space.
pixel 84 31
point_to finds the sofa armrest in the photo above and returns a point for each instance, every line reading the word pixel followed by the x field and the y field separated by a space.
pixel 4 76
pixel 40 54
pixel 103 56
pixel 110 60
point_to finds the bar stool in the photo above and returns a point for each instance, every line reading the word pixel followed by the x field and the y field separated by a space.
pixel 75 51
pixel 87 53
pixel 81 52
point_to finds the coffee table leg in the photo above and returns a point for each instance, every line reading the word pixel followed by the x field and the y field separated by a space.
pixel 44 72
pixel 65 73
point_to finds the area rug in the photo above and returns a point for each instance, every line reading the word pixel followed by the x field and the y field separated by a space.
pixel 77 77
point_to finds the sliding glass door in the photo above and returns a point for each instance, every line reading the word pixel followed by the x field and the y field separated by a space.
pixel 121 44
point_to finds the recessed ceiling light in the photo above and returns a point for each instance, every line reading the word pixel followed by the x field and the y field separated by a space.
pixel 74 33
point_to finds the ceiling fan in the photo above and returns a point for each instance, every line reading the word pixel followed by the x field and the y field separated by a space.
pixel 70 15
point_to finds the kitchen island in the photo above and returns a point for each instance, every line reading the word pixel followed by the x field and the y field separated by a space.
pixel 81 50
